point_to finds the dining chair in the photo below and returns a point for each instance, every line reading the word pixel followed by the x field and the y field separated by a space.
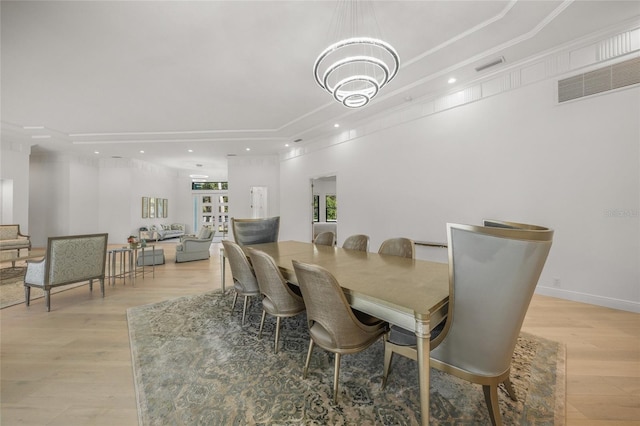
pixel 255 231
pixel 333 325
pixel 327 238
pixel 244 278
pixel 278 298
pixel 493 272
pixel 358 242
pixel 403 247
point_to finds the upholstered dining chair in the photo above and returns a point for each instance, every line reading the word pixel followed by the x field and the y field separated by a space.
pixel 244 279
pixel 493 272
pixel 255 231
pixel 333 325
pixel 403 247
pixel 358 242
pixel 327 238
pixel 278 298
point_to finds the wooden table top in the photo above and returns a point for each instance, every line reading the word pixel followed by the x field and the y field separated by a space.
pixel 416 287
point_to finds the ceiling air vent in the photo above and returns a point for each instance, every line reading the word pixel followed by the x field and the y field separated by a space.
pixel 611 77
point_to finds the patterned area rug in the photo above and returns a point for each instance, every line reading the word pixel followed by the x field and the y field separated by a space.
pixel 195 365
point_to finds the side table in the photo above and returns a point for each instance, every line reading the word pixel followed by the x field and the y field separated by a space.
pixel 126 257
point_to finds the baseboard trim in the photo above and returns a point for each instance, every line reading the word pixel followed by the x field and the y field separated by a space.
pixel 608 302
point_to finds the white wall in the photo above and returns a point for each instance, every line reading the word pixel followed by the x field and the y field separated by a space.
pixel 245 172
pixel 516 156
pixel 14 168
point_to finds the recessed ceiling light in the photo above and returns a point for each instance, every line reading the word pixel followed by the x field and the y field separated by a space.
pixel 248 149
pixel 336 125
pixel 451 80
pixel 141 152
pixel 287 145
pixel 190 150
pixel 96 152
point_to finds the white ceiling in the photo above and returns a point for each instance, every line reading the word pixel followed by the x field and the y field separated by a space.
pixel 218 77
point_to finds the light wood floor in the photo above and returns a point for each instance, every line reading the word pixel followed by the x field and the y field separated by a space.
pixel 72 366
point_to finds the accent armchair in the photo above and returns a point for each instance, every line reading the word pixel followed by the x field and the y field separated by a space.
pixel 195 247
pixel 68 260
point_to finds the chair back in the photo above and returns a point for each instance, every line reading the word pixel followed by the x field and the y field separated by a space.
pixel 272 284
pixel 241 270
pixel 255 231
pixel 75 258
pixel 332 323
pixel 327 238
pixel 358 242
pixel 512 225
pixel 493 272
pixel 205 233
pixel 403 247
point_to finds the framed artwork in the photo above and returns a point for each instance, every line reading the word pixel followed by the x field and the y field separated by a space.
pixel 152 207
pixel 165 206
pixel 145 207
pixel 159 207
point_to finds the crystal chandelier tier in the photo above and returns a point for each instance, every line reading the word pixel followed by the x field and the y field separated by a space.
pixel 356 67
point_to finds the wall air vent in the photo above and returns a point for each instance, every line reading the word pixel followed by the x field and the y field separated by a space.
pixel 611 77
pixel 493 63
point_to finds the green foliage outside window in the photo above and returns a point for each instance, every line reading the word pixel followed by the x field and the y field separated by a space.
pixel 331 208
pixel 209 186
pixel 316 208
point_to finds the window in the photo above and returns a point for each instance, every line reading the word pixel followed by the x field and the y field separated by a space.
pixel 331 208
pixel 316 208
pixel 209 186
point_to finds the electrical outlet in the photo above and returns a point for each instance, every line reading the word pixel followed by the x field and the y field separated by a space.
pixel 556 282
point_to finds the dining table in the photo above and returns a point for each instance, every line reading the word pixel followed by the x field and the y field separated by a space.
pixel 409 293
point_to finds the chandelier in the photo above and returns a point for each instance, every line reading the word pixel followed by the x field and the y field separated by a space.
pixel 355 68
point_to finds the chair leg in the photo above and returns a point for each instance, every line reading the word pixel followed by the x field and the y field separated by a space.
pixel 244 308
pixel 336 374
pixel 264 314
pixel 275 350
pixel 308 361
pixel 388 356
pixel 491 398
pixel 510 390
pixel 102 286
pixel 47 299
pixel 235 298
pixel 27 294
pixel 91 285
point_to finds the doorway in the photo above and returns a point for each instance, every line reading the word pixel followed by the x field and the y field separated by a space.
pixel 324 205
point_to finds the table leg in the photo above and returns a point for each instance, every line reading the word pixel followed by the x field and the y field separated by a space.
pixel 112 269
pixel 132 268
pixel 423 335
pixel 135 261
pixel 222 267
pixel 153 261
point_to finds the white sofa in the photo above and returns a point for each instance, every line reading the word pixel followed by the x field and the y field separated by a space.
pixel 162 232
